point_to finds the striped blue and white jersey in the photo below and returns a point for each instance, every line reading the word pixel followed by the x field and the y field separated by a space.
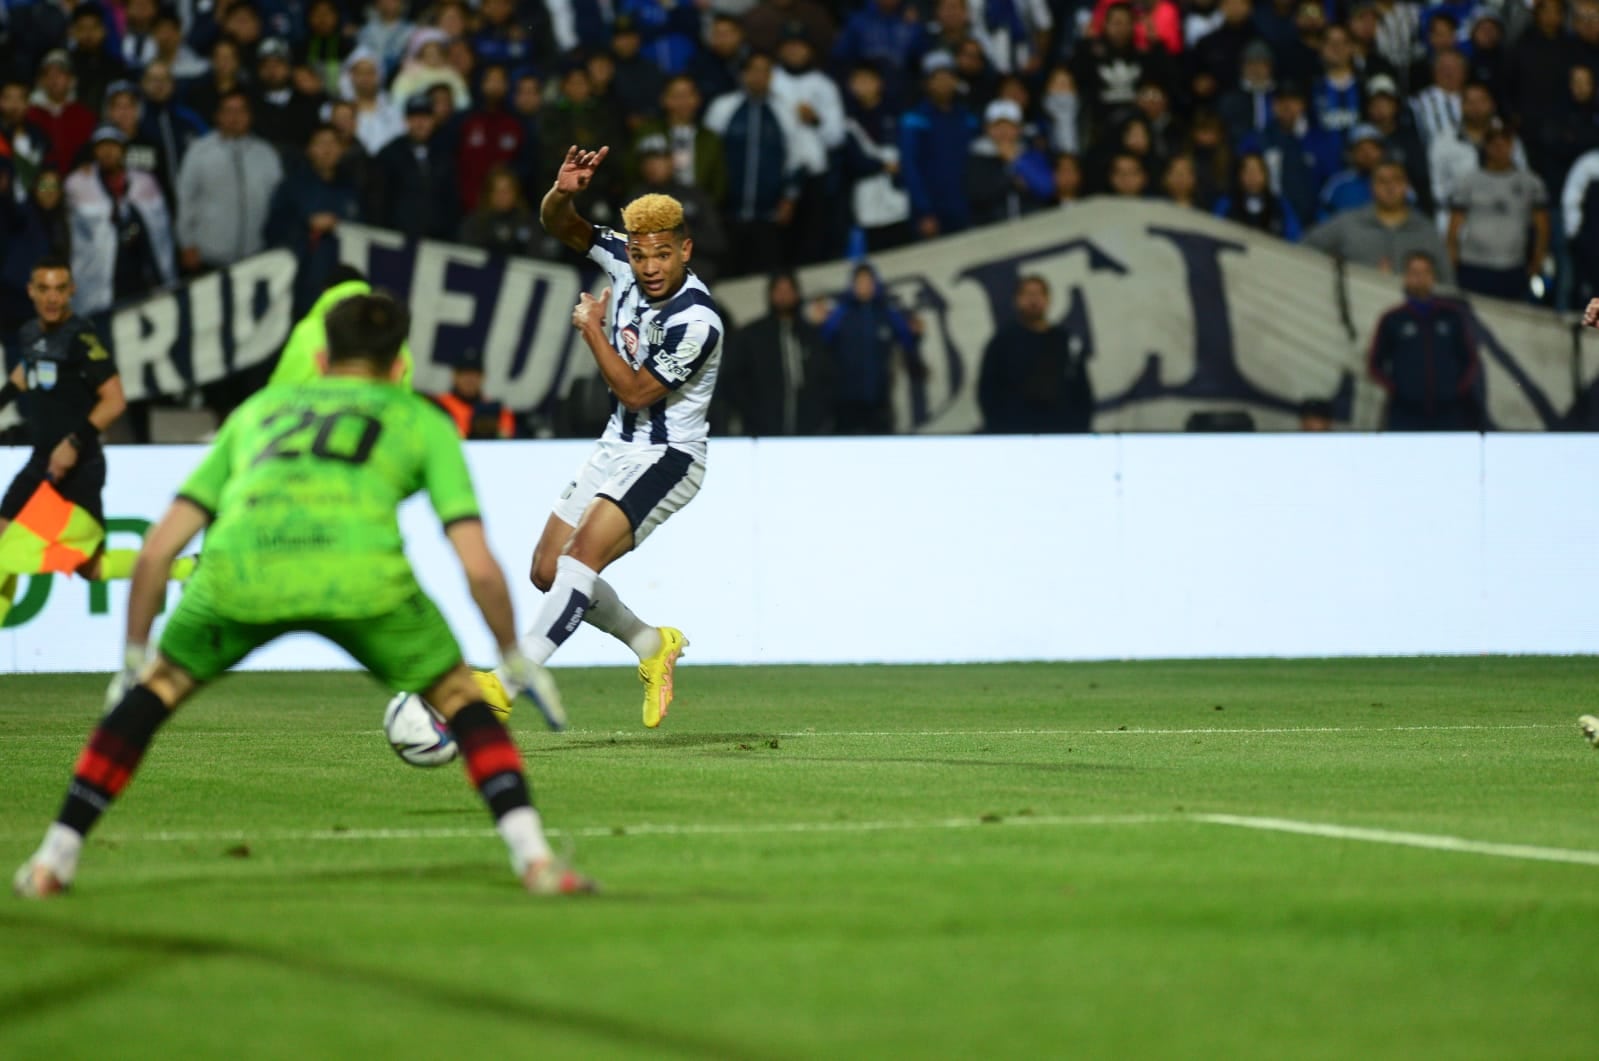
pixel 678 341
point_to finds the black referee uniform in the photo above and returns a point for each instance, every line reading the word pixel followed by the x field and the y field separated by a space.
pixel 65 368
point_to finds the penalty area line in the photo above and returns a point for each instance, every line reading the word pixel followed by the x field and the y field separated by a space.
pixel 1426 841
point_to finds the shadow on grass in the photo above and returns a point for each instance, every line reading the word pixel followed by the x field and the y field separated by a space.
pixel 159 948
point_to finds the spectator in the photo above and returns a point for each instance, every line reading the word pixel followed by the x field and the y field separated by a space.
pixel 704 219
pixel 1399 138
pixel 426 65
pixel 1014 34
pixel 949 28
pixel 716 70
pixel 1110 67
pixel 879 206
pixel 578 117
pixel 139 153
pixel 1351 187
pixel 501 223
pixel 934 139
pixel 882 34
pixel 1062 112
pixel 1220 57
pixel 1301 156
pixel 1034 379
pixel 1437 108
pixel 780 376
pixel 815 113
pixel 1246 109
pixel 1127 177
pixel 1201 18
pixel 1159 25
pixel 1300 57
pixel 1491 212
pixel 638 81
pixel 1167 133
pixel 307 209
pixel 1539 61
pixel 697 156
pixel 1579 203
pixel 489 135
pixel 1316 414
pixel 510 37
pixel 325 45
pixel 1004 177
pixel 377 119
pixel 168 124
pixel 1487 59
pixel 243 25
pixel 978 80
pixel 1383 234
pixel 284 116
pixel 65 123
pixel 1068 174
pixel 413 182
pixel 527 103
pixel 386 33
pixel 765 23
pixel 1213 158
pixel 225 76
pixel 182 62
pixel 1457 152
pixel 21 139
pixel 225 189
pixel 1368 60
pixel 1557 140
pixel 1398 37
pixel 1337 102
pixel 138 48
pixel 1179 184
pixel 121 230
pixel 1253 203
pixel 762 188
pixel 94 64
pixel 669 32
pixel 1132 139
pixel 354 162
pixel 1424 354
pixel 29 230
pixel 865 332
pixel 474 416
pixel 1274 23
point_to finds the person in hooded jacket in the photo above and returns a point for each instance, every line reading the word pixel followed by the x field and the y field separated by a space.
pixel 865 331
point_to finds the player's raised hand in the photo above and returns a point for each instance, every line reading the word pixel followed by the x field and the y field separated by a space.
pixel 577 169
pixel 1590 316
pixel 590 311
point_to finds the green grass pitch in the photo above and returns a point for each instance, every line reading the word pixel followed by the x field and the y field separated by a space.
pixel 995 861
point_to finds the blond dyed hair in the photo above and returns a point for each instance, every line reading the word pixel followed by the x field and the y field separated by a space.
pixel 652 213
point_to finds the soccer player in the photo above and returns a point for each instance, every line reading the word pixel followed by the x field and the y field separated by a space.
pixel 298 362
pixel 52 519
pixel 658 347
pixel 300 493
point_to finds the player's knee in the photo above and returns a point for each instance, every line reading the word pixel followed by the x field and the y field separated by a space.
pixel 543 574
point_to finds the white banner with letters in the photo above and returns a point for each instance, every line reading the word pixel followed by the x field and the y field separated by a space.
pixel 925 550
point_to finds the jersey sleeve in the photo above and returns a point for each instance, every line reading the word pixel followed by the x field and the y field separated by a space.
pixel 445 475
pixel 94 359
pixel 205 484
pixel 609 252
pixel 688 345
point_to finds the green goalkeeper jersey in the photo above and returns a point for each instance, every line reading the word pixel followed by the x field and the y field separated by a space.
pixel 303 484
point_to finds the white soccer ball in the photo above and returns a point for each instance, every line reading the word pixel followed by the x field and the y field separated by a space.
pixel 417 733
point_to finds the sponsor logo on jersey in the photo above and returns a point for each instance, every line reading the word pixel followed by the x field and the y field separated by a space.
pixel 678 364
pixel 630 341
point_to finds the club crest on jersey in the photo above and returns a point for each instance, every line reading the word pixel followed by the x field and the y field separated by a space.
pixel 44 376
pixel 654 333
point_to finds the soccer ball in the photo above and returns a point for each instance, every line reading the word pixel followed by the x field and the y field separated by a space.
pixel 416 732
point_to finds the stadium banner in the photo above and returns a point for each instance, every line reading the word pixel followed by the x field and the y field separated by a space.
pixel 1179 312
pixel 990 549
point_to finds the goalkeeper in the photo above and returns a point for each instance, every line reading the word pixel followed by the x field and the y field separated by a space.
pixel 300 492
pixel 298 362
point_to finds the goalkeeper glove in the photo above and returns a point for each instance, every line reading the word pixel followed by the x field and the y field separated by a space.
pixel 521 675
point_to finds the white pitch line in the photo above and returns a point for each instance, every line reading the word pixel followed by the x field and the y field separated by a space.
pixel 658 829
pixel 1429 841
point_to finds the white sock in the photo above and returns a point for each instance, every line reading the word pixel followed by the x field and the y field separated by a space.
pixel 60 851
pixel 607 612
pixel 523 832
pixel 562 612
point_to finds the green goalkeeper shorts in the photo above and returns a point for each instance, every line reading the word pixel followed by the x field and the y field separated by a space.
pixel 407 649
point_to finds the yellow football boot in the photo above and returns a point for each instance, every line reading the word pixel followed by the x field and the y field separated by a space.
pixel 494 693
pixel 656 674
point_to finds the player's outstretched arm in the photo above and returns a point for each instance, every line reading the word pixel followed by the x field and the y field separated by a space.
pixel 556 213
pixel 169 537
pixel 634 387
pixel 485 579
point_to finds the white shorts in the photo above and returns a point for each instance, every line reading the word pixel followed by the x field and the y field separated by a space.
pixel 648 483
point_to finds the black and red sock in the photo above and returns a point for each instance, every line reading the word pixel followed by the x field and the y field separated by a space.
pixel 492 761
pixel 110 758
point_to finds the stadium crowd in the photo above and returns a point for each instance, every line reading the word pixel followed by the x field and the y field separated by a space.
pixel 150 142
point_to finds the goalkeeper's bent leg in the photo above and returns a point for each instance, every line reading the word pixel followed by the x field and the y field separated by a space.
pixel 495 768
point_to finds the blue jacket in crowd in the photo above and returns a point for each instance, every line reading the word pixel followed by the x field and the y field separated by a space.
pixel 1348 190
pixel 863 335
pixel 933 145
pixel 758 175
pixel 1424 353
pixel 671 32
pixel 1300 163
pixel 302 195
